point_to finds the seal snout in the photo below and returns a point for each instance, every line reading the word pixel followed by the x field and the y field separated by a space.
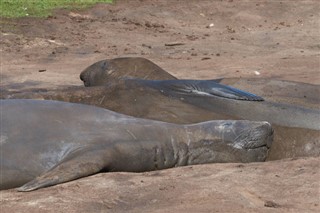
pixel 257 136
pixel 84 78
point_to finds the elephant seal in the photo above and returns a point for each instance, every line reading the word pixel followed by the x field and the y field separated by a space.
pixel 297 93
pixel 44 143
pixel 114 70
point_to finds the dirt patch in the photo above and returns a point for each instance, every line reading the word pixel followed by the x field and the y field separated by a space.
pixel 277 186
pixel 193 39
pixel 190 39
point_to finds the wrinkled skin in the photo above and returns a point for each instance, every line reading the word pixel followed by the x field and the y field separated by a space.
pixel 44 143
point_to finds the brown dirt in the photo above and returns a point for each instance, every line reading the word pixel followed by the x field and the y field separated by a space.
pixel 278 39
pixel 275 186
pixel 190 39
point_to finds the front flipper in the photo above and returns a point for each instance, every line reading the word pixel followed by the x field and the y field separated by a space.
pixel 80 165
pixel 201 87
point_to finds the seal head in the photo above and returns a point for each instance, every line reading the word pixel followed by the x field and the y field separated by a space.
pixel 110 70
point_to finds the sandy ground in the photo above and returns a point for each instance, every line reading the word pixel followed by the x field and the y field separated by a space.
pixel 275 186
pixel 190 39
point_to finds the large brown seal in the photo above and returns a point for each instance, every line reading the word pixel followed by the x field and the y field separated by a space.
pixel 297 93
pixel 44 143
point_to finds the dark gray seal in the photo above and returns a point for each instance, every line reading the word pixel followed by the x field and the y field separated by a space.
pixel 44 143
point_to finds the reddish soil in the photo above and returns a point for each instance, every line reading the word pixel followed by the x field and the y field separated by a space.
pixel 190 39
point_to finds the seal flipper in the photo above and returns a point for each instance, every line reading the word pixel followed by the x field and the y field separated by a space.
pixel 217 89
pixel 201 87
pixel 73 168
